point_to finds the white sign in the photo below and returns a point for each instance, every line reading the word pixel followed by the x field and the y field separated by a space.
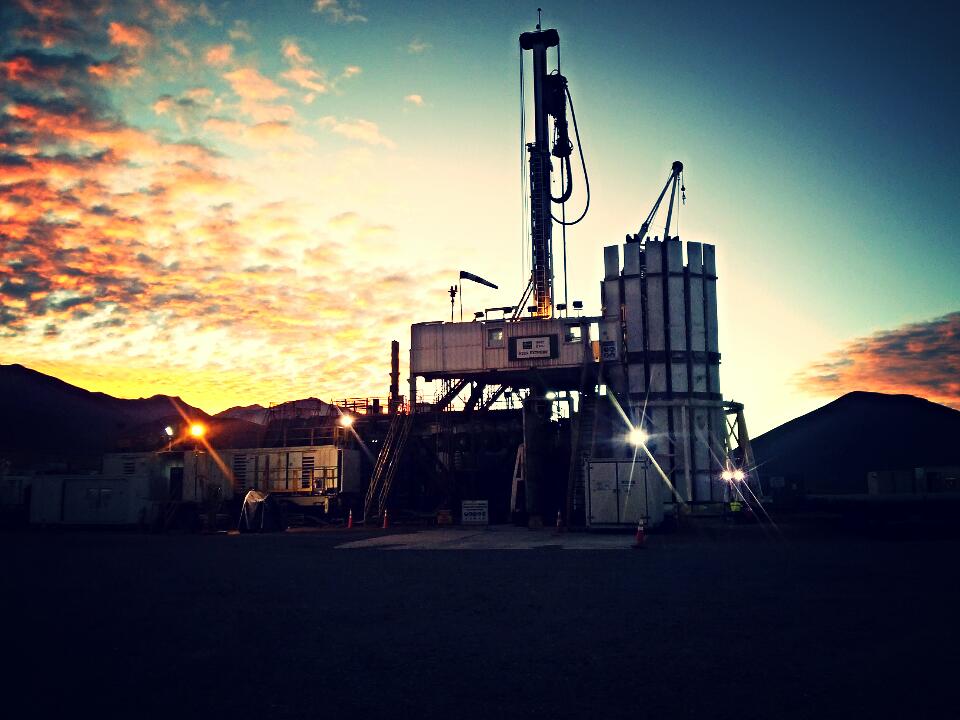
pixel 474 512
pixel 533 347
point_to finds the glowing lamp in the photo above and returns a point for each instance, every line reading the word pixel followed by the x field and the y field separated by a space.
pixel 638 436
pixel 727 475
pixel 169 431
pixel 346 420
pixel 551 395
pixel 198 430
pixel 738 475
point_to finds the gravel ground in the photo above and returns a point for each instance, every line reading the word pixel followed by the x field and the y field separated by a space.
pixel 713 623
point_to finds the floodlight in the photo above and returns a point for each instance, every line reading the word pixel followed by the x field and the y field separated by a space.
pixel 198 430
pixel 738 475
pixel 638 436
pixel 169 431
pixel 727 475
pixel 346 420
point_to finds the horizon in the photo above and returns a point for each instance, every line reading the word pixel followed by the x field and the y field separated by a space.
pixel 240 206
pixel 214 414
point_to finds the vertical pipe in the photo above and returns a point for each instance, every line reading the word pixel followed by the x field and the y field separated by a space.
pixel 394 400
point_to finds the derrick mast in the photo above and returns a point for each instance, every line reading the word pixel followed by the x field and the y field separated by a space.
pixel 541 226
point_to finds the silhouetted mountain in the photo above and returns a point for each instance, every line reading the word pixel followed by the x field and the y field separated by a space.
pixel 307 407
pixel 250 413
pixel 45 422
pixel 830 450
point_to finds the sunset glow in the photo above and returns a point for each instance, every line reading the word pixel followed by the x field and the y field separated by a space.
pixel 245 202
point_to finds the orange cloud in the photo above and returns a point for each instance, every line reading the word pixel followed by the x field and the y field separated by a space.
pixel 128 262
pixel 292 52
pixel 271 133
pixel 307 79
pixel 249 84
pixel 129 35
pixel 921 358
pixel 219 54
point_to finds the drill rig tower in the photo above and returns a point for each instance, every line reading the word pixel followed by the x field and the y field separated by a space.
pixel 647 367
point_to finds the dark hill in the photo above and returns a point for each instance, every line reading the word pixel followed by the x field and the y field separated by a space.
pixel 830 450
pixel 304 408
pixel 251 413
pixel 48 423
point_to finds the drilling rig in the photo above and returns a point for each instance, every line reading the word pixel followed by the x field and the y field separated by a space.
pixel 647 422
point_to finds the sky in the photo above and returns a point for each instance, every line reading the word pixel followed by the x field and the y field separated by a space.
pixel 245 202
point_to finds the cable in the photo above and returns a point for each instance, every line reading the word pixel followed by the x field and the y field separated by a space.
pixel 563 232
pixel 583 164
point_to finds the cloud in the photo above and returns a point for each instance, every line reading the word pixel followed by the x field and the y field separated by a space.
pixel 292 52
pixel 219 54
pixel 348 220
pixel 303 74
pixel 240 31
pixel 308 79
pixel 335 12
pixel 414 100
pixel 921 358
pixel 417 46
pixel 263 135
pixel 187 110
pixel 249 84
pixel 174 12
pixel 128 261
pixel 131 36
pixel 364 131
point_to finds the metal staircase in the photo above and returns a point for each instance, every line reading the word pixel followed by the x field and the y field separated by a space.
pixel 381 480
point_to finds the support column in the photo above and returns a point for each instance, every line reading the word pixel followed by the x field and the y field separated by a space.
pixel 535 415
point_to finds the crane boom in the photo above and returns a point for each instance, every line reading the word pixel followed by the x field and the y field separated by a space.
pixel 671 184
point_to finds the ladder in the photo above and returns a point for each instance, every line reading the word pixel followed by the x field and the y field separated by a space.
pixel 387 461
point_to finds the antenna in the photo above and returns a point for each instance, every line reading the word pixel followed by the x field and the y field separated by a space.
pixel 538 17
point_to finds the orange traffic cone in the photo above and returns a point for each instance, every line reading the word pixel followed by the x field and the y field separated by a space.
pixel 386 520
pixel 350 520
pixel 640 541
